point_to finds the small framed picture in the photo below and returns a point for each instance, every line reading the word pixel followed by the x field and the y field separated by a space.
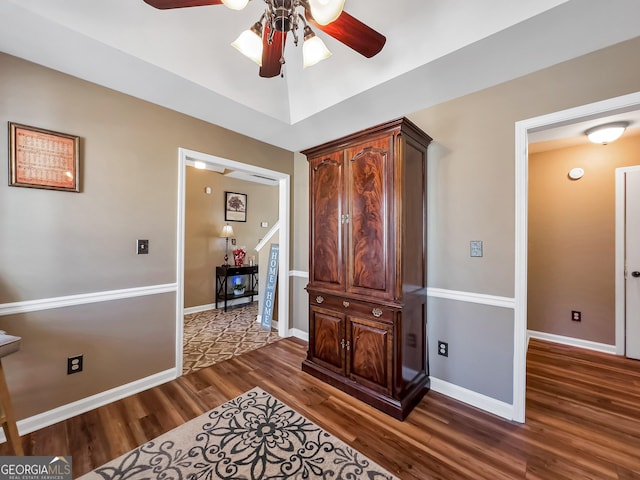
pixel 235 207
pixel 41 158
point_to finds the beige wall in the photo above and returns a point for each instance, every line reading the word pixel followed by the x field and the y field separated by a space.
pixel 204 219
pixel 56 244
pixel 572 238
pixel 472 197
pixel 300 211
pixel 472 162
pixel 129 190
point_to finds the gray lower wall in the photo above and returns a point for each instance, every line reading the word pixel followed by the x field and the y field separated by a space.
pixel 122 341
pixel 299 303
pixel 480 339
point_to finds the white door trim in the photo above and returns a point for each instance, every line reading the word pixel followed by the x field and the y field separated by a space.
pixel 522 129
pixel 620 258
pixel 188 157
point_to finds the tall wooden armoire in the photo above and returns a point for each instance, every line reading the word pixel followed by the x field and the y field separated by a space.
pixel 368 265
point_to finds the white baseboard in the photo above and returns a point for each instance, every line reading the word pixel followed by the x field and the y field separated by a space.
pixel 199 308
pixel 212 306
pixel 573 342
pixel 475 399
pixel 64 412
pixel 301 334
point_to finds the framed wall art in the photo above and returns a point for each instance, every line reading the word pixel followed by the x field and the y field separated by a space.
pixel 41 158
pixel 235 207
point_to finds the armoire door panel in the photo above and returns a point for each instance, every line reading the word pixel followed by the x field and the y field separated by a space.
pixel 370 353
pixel 369 210
pixel 327 187
pixel 328 338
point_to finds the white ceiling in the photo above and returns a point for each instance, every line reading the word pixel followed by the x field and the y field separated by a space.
pixel 436 50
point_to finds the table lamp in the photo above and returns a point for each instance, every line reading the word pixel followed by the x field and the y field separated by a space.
pixel 226 233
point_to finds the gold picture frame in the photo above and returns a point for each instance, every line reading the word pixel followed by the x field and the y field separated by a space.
pixel 40 158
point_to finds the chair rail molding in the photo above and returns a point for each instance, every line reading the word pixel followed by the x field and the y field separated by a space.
pixel 84 298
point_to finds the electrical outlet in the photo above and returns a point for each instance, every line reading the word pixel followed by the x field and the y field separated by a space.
pixel 443 348
pixel 143 247
pixel 576 316
pixel 74 364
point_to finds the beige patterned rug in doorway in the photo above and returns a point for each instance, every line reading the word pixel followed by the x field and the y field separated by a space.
pixel 213 336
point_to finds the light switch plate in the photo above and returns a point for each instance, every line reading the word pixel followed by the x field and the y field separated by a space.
pixel 476 248
pixel 142 247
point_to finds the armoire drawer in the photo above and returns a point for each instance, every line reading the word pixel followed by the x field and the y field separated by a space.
pixel 352 307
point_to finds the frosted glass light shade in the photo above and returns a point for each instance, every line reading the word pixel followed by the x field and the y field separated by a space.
pixel 326 11
pixel 313 51
pixel 235 4
pixel 607 133
pixel 250 45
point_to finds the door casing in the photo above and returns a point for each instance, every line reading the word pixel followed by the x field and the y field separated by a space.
pixel 625 103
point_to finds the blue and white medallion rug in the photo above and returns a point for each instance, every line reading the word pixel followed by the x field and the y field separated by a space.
pixel 252 437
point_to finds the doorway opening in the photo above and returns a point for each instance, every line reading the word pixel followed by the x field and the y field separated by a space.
pixel 524 130
pixel 247 172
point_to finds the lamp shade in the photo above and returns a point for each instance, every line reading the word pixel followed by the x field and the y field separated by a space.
pixel 227 231
pixel 235 4
pixel 606 133
pixel 313 49
pixel 326 11
pixel 249 43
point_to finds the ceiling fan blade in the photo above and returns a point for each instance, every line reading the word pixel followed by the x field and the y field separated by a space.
pixel 271 54
pixel 353 33
pixel 166 4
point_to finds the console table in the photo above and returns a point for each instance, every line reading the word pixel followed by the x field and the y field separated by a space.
pixel 224 289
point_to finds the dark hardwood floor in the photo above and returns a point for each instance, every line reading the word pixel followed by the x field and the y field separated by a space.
pixel 583 419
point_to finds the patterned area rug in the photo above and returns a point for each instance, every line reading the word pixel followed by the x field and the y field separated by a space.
pixel 253 436
pixel 213 336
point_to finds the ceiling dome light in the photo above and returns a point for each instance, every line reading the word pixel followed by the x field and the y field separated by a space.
pixel 326 11
pixel 235 4
pixel 313 49
pixel 249 43
pixel 607 133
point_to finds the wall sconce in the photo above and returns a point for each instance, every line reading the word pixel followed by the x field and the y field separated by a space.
pixel 607 133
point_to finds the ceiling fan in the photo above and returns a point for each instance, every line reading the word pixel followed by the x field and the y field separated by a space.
pixel 264 42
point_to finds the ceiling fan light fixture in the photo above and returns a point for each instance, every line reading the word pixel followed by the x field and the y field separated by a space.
pixel 235 4
pixel 607 133
pixel 326 11
pixel 249 43
pixel 313 49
